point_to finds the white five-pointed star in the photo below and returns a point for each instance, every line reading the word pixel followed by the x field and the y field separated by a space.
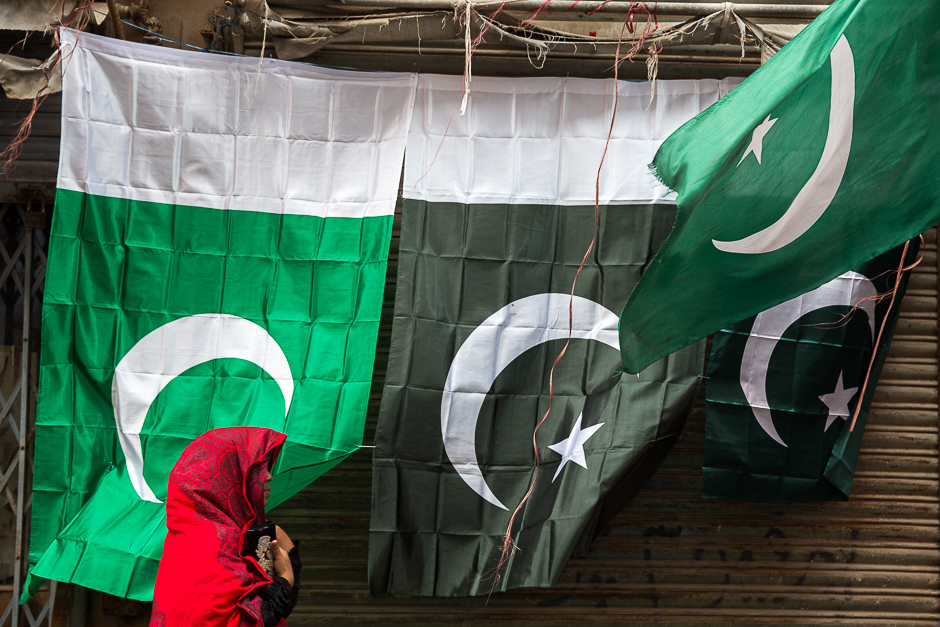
pixel 757 139
pixel 838 402
pixel 572 449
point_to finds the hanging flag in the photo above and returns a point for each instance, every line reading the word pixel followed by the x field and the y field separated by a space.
pixel 498 214
pixel 822 159
pixel 218 256
pixel 783 386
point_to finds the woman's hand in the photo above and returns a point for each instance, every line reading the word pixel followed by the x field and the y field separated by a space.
pixel 283 539
pixel 282 567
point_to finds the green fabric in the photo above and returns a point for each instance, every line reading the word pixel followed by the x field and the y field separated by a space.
pixel 430 533
pixel 119 269
pixel 743 461
pixel 890 191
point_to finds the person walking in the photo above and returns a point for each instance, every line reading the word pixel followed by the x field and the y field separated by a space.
pixel 217 491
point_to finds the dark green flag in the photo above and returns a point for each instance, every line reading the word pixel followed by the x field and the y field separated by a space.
pixel 783 385
pixel 492 235
pixel 481 314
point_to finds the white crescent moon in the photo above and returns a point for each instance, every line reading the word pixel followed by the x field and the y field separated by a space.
pixel 491 347
pixel 171 350
pixel 851 289
pixel 821 188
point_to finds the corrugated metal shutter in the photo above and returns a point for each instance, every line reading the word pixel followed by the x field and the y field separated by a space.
pixel 38 161
pixel 33 174
pixel 673 558
pixel 670 558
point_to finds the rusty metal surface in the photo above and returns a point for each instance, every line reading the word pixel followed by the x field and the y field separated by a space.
pixel 672 558
pixel 557 39
pixel 749 10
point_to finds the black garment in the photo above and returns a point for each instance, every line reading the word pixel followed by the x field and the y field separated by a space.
pixel 279 599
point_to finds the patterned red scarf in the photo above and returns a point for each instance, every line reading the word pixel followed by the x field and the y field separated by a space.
pixel 214 494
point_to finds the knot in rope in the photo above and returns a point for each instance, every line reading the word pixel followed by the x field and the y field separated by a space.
pixel 727 7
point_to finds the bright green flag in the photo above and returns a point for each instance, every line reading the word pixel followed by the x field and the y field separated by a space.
pixel 822 159
pixel 218 258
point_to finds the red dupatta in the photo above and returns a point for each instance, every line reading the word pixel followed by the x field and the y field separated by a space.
pixel 215 492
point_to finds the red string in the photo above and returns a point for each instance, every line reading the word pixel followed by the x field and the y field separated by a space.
pixel 531 18
pixel 489 22
pixel 651 25
pixel 79 18
pixel 884 321
pixel 843 319
pixel 509 545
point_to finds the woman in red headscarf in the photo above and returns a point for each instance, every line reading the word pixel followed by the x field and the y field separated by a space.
pixel 217 489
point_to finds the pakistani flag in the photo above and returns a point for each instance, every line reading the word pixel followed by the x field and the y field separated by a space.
pixel 783 386
pixel 218 258
pixel 822 159
pixel 498 214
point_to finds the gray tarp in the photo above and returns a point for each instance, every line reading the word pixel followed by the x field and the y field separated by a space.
pixel 24 78
pixel 34 14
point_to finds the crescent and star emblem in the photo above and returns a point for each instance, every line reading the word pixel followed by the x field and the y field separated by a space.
pixel 169 351
pixel 851 289
pixel 818 192
pixel 177 346
pixel 493 345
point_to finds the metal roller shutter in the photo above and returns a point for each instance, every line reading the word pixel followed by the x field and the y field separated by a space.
pixel 670 558
pixel 673 558
pixel 33 173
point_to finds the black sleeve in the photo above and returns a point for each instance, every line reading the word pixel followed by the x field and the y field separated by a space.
pixel 279 599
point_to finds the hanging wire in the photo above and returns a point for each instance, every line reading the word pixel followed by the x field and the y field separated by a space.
pixel 232 54
pixel 163 37
pixel 509 546
pixel 219 22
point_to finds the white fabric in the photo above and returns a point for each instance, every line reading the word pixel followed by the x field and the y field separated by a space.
pixel 190 128
pixel 540 140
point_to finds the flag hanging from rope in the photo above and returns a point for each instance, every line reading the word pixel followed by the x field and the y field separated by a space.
pixel 218 256
pixel 822 159
pixel 783 386
pixel 498 214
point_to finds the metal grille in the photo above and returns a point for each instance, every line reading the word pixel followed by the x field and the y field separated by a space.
pixel 23 253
